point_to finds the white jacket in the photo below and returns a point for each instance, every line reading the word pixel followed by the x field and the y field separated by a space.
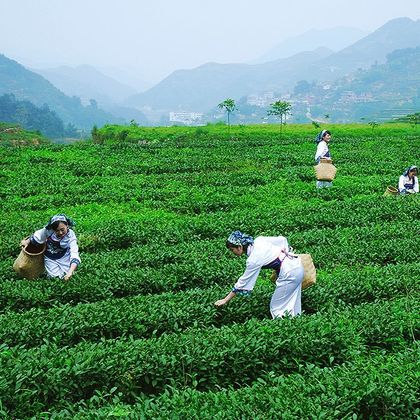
pixel 406 180
pixel 264 251
pixel 68 241
pixel 322 150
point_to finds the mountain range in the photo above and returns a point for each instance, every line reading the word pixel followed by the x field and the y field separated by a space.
pixel 87 83
pixel 26 85
pixel 334 39
pixel 84 96
pixel 202 88
pixel 382 92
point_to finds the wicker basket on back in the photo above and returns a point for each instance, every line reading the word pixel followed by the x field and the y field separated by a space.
pixel 325 170
pixel 309 271
pixel 391 191
pixel 30 262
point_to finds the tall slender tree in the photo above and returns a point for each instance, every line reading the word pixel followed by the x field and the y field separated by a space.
pixel 229 106
pixel 280 109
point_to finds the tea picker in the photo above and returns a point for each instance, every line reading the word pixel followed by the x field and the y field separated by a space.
pixel 408 182
pixel 61 256
pixel 325 170
pixel 268 252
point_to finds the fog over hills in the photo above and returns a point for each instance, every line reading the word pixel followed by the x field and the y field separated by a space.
pixel 202 88
pixel 334 39
pixel 87 82
pixel 396 34
pixel 26 85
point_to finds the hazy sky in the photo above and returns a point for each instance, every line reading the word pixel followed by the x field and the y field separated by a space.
pixel 155 37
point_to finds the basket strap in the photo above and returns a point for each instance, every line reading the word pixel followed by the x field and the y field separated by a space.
pixel 287 254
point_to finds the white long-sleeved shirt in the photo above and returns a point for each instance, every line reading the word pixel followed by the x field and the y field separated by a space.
pixel 68 241
pixel 406 180
pixel 264 251
pixel 322 150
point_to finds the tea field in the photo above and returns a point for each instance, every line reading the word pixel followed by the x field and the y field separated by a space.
pixel 135 333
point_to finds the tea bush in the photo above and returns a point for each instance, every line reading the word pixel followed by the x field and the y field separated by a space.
pixel 135 332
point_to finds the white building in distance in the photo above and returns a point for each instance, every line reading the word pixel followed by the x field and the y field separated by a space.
pixel 262 100
pixel 187 118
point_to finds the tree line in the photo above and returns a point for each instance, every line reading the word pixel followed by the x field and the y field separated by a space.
pixel 34 118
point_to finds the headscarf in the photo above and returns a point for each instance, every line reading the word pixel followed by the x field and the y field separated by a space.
pixel 409 169
pixel 321 135
pixel 238 238
pixel 60 218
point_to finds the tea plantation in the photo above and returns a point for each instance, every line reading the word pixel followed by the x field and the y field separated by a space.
pixel 135 333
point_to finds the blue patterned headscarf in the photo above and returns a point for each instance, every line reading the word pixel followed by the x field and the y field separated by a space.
pixel 321 135
pixel 238 238
pixel 60 218
pixel 409 169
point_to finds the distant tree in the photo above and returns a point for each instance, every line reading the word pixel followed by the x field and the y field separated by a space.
pixel 229 106
pixel 280 109
pixel 71 130
pixel 414 119
pixel 122 135
pixel 315 124
pixel 96 137
pixel 373 124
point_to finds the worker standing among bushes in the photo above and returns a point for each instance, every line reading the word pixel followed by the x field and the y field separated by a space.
pixel 408 182
pixel 267 252
pixel 62 251
pixel 323 152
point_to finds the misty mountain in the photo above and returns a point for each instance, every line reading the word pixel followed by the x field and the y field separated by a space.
pixel 384 91
pixel 127 113
pixel 202 88
pixel 396 34
pixel 26 85
pixel 129 76
pixel 86 82
pixel 334 39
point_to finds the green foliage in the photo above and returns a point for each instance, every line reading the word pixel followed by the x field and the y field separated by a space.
pixel 413 119
pixel 368 388
pixel 202 359
pixel 135 332
pixel 30 117
pixel 14 135
pixel 280 109
pixel 229 106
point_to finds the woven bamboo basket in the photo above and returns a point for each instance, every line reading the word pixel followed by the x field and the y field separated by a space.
pixel 309 271
pixel 325 170
pixel 391 191
pixel 30 262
